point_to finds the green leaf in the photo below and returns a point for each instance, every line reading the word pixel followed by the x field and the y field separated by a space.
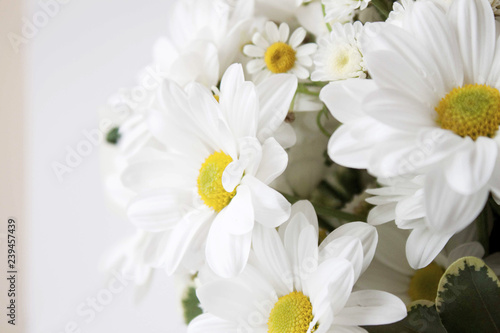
pixel 422 317
pixel 113 135
pixel 191 305
pixel 468 298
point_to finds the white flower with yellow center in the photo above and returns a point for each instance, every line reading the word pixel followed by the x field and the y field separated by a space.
pixel 292 286
pixel 339 56
pixel 274 53
pixel 207 184
pixel 342 11
pixel 432 108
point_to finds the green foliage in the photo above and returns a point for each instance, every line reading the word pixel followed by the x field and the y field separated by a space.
pixel 113 135
pixel 191 305
pixel 468 301
pixel 468 297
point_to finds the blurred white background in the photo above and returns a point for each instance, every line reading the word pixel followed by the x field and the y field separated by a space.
pixel 85 52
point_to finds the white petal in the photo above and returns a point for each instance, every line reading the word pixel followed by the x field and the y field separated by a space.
pixel 181 237
pixel 329 288
pixel 423 246
pixel 208 323
pixel 272 32
pixel 253 51
pixel 284 30
pixel 226 253
pixel 271 208
pixel 471 249
pixel 306 49
pixel 300 71
pixel 300 240
pixel 471 167
pixel 239 102
pixel 371 307
pixel 344 98
pixel 382 214
pixel 474 23
pixel 297 37
pixel 272 258
pixel 273 163
pixel 155 210
pixel 237 218
pixel 366 233
pixel 227 300
pixel 448 211
pixel 260 41
pixel 346 247
pixel 275 96
pixel 255 65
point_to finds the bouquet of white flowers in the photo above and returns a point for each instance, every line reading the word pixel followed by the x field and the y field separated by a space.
pixel 317 166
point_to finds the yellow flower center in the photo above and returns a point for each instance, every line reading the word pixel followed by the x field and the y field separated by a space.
pixel 424 284
pixel 292 313
pixel 210 186
pixel 279 57
pixel 472 110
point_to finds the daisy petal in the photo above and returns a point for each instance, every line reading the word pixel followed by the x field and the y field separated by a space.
pixel 423 246
pixel 472 249
pixel 371 307
pixel 275 95
pixel 155 210
pixel 284 31
pixel 237 218
pixel 448 211
pixel 226 253
pixel 273 163
pixel 272 32
pixel 472 166
pixel 253 51
pixel 272 258
pixel 474 23
pixel 260 41
pixel 366 233
pixel 382 214
pixel 306 49
pixel 208 323
pixel 297 37
pixel 255 65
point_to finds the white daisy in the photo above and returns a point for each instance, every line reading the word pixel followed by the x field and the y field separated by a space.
pixel 342 10
pixel 275 53
pixel 209 182
pixel 432 108
pixel 390 272
pixel 292 286
pixel 339 56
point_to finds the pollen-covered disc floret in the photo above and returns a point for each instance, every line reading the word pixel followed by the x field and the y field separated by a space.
pixel 210 186
pixel 279 57
pixel 292 313
pixel 424 284
pixel 472 110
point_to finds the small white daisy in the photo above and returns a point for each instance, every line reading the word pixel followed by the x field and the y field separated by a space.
pixel 294 286
pixel 339 56
pixel 275 53
pixel 342 10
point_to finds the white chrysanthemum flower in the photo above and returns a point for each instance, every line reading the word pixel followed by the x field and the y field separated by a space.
pixel 209 182
pixel 339 56
pixel 432 108
pixel 275 53
pixel 292 286
pixel 390 272
pixel 342 10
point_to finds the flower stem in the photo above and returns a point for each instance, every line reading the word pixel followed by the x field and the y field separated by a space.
pixel 326 211
pixel 320 125
pixel 328 26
